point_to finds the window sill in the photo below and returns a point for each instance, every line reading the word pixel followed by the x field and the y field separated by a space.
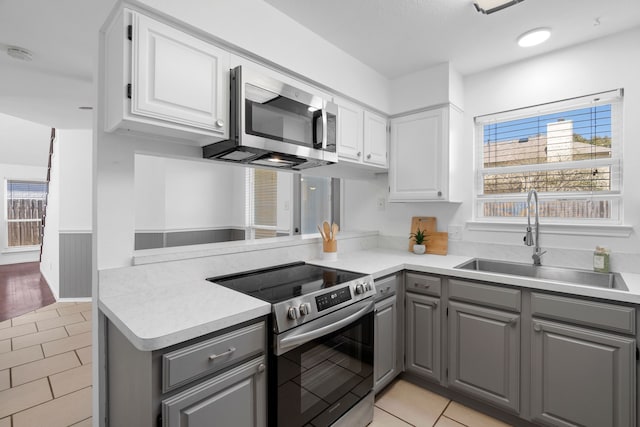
pixel 559 229
pixel 21 249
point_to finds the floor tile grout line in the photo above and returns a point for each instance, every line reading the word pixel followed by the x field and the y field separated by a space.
pixel 395 416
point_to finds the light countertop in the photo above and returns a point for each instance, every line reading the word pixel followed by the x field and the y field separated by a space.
pixel 154 314
pixel 381 262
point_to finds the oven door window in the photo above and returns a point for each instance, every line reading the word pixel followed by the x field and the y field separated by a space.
pixel 321 380
pixel 274 116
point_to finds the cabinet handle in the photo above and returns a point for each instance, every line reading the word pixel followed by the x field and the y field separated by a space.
pixel 359 153
pixel 261 368
pixel 537 328
pixel 226 353
pixel 368 156
pixel 385 290
pixel 513 322
pixel 219 123
pixel 433 304
pixel 418 285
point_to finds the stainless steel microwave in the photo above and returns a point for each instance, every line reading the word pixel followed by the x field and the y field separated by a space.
pixel 276 125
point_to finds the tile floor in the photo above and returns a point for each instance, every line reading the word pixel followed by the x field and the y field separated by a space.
pixel 45 378
pixel 403 404
pixel 45 367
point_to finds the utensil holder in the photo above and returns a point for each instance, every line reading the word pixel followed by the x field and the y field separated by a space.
pixel 330 246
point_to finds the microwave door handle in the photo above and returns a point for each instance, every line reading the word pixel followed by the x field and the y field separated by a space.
pixel 324 129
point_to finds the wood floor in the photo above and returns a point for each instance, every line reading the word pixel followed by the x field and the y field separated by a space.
pixel 22 289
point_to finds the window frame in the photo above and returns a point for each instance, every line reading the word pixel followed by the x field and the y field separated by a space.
pixel 615 98
pixel 8 221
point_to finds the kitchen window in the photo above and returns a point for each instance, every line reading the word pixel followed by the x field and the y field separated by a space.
pixel 570 151
pixel 25 201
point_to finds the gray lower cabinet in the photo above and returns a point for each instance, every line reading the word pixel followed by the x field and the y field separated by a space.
pixel 484 354
pixel 423 335
pixel 581 377
pixel 389 331
pixel 385 342
pixel 234 398
pixel 219 379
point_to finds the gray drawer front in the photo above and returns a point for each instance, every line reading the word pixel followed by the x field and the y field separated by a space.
pixel 186 364
pixel 479 293
pixel 424 284
pixel 386 287
pixel 584 312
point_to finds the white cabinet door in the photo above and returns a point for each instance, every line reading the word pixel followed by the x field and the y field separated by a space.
pixel 375 139
pixel 419 164
pixel 176 77
pixel 350 127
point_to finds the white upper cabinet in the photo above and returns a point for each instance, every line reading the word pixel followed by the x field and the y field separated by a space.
pixel 375 139
pixel 162 80
pixel 419 156
pixel 362 136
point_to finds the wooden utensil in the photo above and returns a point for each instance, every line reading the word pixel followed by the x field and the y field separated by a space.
pixel 321 233
pixel 334 231
pixel 326 227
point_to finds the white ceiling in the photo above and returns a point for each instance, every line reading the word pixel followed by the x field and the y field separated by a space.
pixel 398 37
pixel 63 37
pixel 395 37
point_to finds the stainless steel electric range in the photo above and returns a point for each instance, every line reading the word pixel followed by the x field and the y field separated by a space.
pixel 321 343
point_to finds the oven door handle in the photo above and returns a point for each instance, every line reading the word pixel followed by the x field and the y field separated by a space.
pixel 297 338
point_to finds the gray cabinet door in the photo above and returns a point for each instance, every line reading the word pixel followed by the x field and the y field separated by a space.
pixel 484 354
pixel 423 336
pixel 581 377
pixel 236 398
pixel 384 360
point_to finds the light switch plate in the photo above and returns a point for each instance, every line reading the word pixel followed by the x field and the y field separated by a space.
pixel 455 232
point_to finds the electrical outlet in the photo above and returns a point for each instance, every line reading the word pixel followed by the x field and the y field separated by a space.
pixel 455 232
pixel 381 203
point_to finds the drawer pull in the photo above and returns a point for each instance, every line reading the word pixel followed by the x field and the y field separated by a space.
pixel 226 353
pixel 385 290
pixel 424 286
pixel 537 328
pixel 261 367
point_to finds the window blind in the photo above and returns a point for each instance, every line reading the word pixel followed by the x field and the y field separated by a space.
pixel 570 151
pixel 25 202
pixel 261 204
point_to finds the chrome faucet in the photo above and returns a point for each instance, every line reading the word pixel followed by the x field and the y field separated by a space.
pixel 528 238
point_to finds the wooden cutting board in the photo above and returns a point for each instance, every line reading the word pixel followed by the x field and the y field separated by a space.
pixel 438 241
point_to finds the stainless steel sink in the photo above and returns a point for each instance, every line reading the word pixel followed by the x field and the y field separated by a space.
pixel 558 274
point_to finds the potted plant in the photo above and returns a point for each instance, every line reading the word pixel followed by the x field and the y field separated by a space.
pixel 420 238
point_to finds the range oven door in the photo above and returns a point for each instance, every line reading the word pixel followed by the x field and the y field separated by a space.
pixel 322 369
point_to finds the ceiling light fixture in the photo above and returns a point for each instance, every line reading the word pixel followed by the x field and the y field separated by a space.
pixel 19 53
pixel 534 37
pixel 490 6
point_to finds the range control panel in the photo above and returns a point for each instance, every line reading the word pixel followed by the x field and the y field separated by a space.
pixel 333 298
pixel 296 311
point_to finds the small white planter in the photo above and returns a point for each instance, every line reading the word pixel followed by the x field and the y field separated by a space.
pixel 419 249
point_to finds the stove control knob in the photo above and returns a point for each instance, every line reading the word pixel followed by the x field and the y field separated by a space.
pixel 360 289
pixel 293 313
pixel 305 308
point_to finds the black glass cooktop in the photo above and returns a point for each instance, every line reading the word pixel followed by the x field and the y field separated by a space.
pixel 284 282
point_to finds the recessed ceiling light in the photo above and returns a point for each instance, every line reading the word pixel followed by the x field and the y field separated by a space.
pixel 19 53
pixel 534 37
